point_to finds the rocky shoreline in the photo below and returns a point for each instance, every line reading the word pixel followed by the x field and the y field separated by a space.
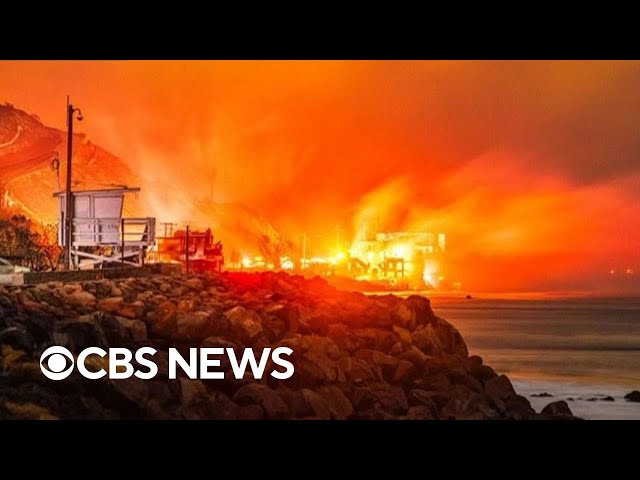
pixel 355 356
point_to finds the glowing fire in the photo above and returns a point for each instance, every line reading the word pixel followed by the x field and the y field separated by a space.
pixel 412 259
pixel 525 209
pixel 430 273
pixel 287 263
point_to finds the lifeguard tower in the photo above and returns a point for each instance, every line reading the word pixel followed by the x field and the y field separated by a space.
pixel 101 236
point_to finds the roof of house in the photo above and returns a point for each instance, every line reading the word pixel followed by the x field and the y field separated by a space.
pixel 100 192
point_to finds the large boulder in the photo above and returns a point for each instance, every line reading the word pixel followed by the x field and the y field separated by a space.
pixel 420 412
pixel 414 311
pixel 430 400
pixel 194 326
pixel 80 298
pixel 296 402
pixel 464 404
pixel 122 331
pixel 336 401
pixel 315 404
pixel 633 396
pixel 194 284
pixel 258 394
pixel 17 337
pixel 39 326
pixel 289 314
pixel 390 399
pixel 162 320
pixel 374 338
pixel 519 408
pixel 414 355
pixel 135 309
pixel 439 336
pixel 110 304
pixel 559 408
pixel 499 388
pixel 80 333
pixel 314 368
pixel 357 371
pixel 187 305
pixel 478 370
pixel 246 324
pixel 115 332
pixel 403 334
pixel 199 404
pixel 129 396
pixel 385 364
pixel 137 329
pixel 218 342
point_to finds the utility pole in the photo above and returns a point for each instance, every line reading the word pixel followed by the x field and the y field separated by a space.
pixel 69 207
pixel 168 228
pixel 304 249
pixel 186 250
pixel 122 241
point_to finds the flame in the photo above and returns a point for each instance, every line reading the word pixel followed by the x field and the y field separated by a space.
pixel 429 273
pixel 524 201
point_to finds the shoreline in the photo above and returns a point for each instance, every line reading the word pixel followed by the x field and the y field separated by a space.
pixel 586 400
pixel 541 296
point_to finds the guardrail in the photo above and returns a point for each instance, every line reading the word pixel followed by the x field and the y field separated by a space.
pixel 91 232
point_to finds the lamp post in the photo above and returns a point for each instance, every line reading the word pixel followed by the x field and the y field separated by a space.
pixel 69 210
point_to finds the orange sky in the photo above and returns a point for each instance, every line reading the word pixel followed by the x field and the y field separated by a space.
pixel 531 168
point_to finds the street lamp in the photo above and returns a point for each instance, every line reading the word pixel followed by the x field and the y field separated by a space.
pixel 70 203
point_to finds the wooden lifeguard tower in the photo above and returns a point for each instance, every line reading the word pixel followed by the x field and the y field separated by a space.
pixel 101 236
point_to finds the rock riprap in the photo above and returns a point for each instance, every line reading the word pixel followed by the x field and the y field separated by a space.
pixel 355 356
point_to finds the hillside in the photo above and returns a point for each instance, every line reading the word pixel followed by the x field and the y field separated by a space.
pixel 27 148
pixel 25 144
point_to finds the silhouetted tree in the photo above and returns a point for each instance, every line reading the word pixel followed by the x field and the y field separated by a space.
pixel 22 244
pixel 235 257
pixel 272 247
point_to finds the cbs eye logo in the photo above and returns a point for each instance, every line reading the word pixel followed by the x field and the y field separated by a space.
pixel 59 364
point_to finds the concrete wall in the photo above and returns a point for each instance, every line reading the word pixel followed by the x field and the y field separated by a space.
pixel 11 279
pixel 83 275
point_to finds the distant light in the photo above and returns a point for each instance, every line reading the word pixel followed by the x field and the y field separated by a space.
pixel 629 271
pixel 287 265
pixel 429 273
pixel 400 251
pixel 246 262
pixel 612 272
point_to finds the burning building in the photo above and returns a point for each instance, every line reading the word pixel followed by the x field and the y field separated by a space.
pixel 197 250
pixel 413 258
pixel 402 259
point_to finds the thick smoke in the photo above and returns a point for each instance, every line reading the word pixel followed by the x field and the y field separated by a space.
pixel 529 167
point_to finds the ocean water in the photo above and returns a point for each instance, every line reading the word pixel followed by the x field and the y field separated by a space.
pixel 576 349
